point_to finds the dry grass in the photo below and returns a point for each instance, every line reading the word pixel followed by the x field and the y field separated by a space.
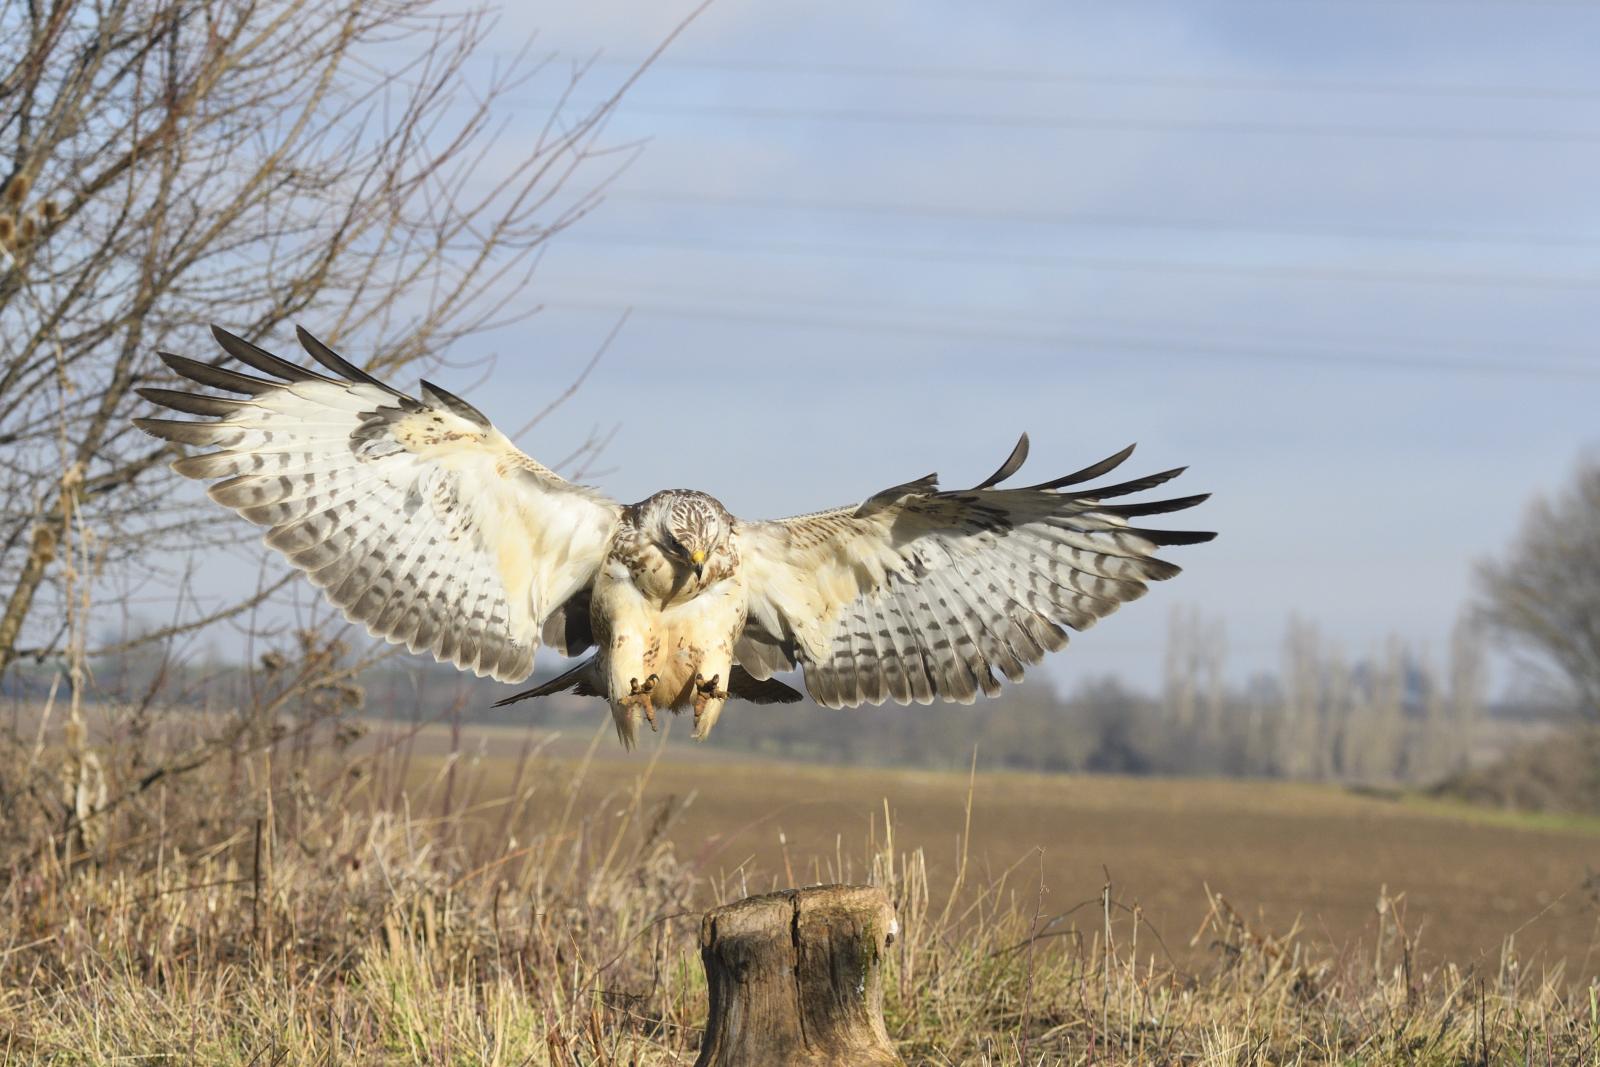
pixel 1279 852
pixel 330 908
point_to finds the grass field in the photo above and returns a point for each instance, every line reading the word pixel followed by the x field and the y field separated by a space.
pixel 495 898
pixel 1469 882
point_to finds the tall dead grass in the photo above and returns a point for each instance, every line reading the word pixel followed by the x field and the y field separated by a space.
pixel 320 905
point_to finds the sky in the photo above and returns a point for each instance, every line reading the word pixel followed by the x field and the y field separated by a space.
pixel 1340 257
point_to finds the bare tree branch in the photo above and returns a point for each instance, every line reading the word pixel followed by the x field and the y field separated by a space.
pixel 169 163
pixel 1544 594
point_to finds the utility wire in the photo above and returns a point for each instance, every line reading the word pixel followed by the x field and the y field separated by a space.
pixel 1222 83
pixel 1078 341
pixel 1049 218
pixel 1089 124
pixel 1274 272
pixel 1320 343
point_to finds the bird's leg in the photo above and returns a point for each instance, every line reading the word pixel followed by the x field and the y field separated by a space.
pixel 704 693
pixel 640 696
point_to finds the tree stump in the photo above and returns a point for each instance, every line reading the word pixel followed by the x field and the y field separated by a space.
pixel 795 978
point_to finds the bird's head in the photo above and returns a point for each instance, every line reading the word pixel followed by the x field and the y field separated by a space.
pixel 691 529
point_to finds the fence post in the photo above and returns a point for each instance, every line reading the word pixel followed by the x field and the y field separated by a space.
pixel 795 978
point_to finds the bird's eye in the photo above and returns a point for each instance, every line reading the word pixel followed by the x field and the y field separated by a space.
pixel 675 546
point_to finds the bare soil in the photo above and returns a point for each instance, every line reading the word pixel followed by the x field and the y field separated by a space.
pixel 1472 885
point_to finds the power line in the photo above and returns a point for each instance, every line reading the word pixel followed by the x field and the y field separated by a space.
pixel 1322 342
pixel 1039 259
pixel 1082 341
pixel 1223 83
pixel 999 121
pixel 1413 233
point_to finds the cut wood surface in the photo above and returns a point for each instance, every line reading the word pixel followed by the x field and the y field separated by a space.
pixel 795 977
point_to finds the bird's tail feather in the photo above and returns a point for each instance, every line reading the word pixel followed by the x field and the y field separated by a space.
pixel 581 681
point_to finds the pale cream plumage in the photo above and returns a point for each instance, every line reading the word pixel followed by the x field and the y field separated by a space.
pixel 422 521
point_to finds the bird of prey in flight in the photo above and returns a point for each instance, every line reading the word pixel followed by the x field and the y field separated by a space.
pixel 419 519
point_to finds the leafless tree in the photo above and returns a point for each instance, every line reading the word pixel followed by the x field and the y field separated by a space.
pixel 1543 596
pixel 1314 681
pixel 1193 690
pixel 167 163
pixel 1468 685
pixel 1452 707
pixel 1369 714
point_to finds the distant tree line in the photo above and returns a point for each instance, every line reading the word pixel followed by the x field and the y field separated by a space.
pixel 1398 717
pixel 1394 717
pixel 1325 717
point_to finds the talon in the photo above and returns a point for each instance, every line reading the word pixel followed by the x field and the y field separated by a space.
pixel 639 697
pixel 704 693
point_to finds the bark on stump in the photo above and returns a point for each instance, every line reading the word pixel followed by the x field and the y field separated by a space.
pixel 795 978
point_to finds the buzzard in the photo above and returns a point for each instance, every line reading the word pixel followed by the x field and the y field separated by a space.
pixel 419 519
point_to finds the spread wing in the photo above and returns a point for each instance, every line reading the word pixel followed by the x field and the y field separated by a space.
pixel 415 517
pixel 919 594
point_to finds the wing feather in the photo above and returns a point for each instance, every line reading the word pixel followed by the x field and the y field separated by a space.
pixel 920 594
pixel 415 517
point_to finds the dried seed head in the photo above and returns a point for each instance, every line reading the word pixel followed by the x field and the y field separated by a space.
pixel 50 210
pixel 44 542
pixel 30 229
pixel 17 189
pixel 8 229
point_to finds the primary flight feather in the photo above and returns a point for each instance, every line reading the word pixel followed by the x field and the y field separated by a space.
pixel 422 521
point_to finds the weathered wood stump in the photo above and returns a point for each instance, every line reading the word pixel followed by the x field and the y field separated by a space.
pixel 795 978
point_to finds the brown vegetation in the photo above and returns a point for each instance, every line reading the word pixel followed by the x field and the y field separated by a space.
pixel 284 904
pixel 1560 774
pixel 262 886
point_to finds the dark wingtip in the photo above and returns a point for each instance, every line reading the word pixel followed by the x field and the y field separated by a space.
pixel 262 360
pixel 1154 507
pixel 1149 481
pixel 326 356
pixel 1013 463
pixel 184 433
pixel 217 377
pixel 1174 537
pixel 189 403
pixel 1092 471
pixel 454 404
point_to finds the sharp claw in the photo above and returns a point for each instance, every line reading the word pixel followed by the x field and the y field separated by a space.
pixel 704 693
pixel 710 690
pixel 639 696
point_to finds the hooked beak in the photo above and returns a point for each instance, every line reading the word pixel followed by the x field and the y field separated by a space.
pixel 697 559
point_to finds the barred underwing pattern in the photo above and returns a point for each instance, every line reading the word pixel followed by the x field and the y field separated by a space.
pixel 422 521
pixel 416 518
pixel 918 595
